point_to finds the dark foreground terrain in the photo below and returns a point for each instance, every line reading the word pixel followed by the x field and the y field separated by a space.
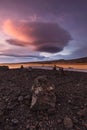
pixel 71 106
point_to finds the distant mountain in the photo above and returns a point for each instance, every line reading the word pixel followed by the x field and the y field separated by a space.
pixel 79 60
pixel 60 61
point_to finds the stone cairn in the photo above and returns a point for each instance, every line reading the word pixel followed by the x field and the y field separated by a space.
pixel 30 68
pixel 43 94
pixel 61 71
pixel 54 68
pixel 22 67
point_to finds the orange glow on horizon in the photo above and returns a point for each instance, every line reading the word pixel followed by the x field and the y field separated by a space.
pixel 73 66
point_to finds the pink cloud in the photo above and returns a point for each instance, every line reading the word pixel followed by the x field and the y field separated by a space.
pixel 45 37
pixel 18 31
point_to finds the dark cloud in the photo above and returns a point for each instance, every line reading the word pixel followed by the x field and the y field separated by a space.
pixel 51 49
pixel 21 56
pixel 46 37
pixel 16 42
pixel 40 48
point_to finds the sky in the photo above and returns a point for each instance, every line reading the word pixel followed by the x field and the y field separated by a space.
pixel 40 30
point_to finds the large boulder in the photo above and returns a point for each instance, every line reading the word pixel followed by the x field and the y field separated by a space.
pixel 43 94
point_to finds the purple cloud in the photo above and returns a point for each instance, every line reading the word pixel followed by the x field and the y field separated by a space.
pixel 45 37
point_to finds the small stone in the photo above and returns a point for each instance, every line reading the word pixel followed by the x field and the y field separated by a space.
pixel 20 98
pixel 68 122
pixel 28 127
pixel 75 107
pixel 7 120
pixel 7 99
pixel 14 121
pixel 32 127
pixel 77 128
pixel 75 120
pixel 69 101
pixel 27 97
pixel 82 107
pixel 1 113
pixel 85 104
pixel 59 121
pixel 78 85
pixel 82 112
pixel 51 111
pixel 85 125
pixel 10 106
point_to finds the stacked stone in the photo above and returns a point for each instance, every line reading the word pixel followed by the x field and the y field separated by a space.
pixel 43 94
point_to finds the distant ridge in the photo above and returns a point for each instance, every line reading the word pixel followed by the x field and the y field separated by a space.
pixel 82 60
pixel 79 60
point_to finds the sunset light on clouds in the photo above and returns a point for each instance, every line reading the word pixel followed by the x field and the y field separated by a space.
pixel 32 31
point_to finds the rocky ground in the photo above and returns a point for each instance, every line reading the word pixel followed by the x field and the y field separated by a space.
pixel 15 96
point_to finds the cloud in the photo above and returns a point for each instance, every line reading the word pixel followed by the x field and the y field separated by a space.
pixel 80 52
pixel 16 42
pixel 45 37
pixel 35 6
pixel 51 49
pixel 21 56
